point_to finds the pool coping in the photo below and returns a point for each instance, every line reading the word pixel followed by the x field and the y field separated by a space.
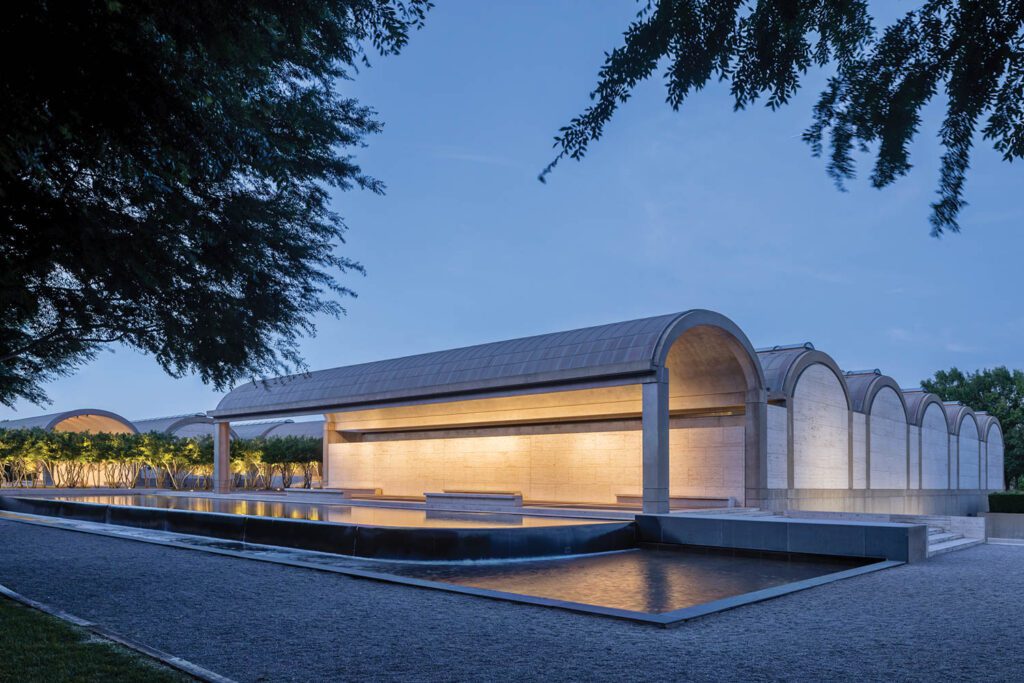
pixel 662 619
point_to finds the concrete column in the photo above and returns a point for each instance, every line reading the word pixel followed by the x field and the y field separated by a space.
pixel 655 444
pixel 222 457
pixel 755 448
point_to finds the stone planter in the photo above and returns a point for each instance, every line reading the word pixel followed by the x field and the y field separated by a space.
pixel 1004 525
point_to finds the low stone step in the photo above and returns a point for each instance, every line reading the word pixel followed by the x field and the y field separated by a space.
pixel 942 537
pixel 950 546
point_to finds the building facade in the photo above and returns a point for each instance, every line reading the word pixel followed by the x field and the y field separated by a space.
pixel 675 410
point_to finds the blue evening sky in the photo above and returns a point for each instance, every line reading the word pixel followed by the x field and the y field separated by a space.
pixel 704 208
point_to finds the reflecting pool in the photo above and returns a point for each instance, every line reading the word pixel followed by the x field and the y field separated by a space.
pixel 643 580
pixel 326 512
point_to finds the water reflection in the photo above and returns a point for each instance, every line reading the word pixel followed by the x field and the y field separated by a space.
pixel 644 580
pixel 323 512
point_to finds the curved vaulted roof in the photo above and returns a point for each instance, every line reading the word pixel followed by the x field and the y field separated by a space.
pixel 259 430
pixel 314 428
pixel 783 366
pixel 633 348
pixel 172 424
pixel 865 385
pixel 917 401
pixel 956 412
pixel 84 420
pixel 985 423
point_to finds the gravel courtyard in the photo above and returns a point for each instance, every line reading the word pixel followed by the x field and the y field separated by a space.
pixel 954 617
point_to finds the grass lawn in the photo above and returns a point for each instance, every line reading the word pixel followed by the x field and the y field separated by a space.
pixel 37 647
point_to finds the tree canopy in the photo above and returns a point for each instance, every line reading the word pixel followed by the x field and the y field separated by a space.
pixel 971 51
pixel 165 175
pixel 999 392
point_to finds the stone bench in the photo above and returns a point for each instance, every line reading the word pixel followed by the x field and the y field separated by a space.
pixel 680 502
pixel 474 500
pixel 358 493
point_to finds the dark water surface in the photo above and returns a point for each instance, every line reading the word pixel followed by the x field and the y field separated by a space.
pixel 326 512
pixel 644 580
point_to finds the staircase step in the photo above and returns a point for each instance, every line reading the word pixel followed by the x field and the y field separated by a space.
pixel 943 537
pixel 949 546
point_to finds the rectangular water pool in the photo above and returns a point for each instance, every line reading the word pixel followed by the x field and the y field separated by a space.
pixel 649 580
pixel 328 512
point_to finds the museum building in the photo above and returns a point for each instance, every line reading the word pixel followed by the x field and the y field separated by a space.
pixel 674 411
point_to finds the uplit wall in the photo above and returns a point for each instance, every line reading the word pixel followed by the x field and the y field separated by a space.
pixel 969 449
pixel 821 439
pixel 562 463
pixel 778 447
pixel 888 427
pixel 934 449
pixel 994 464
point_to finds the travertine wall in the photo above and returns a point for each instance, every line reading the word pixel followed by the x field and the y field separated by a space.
pixel 995 459
pixel 934 449
pixel 914 444
pixel 860 458
pixel 888 426
pixel 821 444
pixel 706 458
pixel 969 445
pixel 778 447
pixel 544 463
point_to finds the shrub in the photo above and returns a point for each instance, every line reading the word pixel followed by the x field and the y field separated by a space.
pixel 1006 501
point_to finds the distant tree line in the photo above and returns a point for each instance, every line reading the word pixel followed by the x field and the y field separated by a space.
pixel 36 457
pixel 1000 393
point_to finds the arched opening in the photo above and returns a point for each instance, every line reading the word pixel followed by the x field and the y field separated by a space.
pixel 703 416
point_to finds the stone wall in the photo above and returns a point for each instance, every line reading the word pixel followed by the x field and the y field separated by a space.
pixel 585 462
pixel 934 449
pixel 995 460
pixel 914 457
pixel 821 439
pixel 858 422
pixel 778 447
pixel 888 441
pixel 969 447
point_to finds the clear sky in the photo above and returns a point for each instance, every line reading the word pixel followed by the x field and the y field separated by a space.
pixel 704 208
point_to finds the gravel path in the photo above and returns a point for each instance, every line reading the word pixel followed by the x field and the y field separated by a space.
pixel 954 617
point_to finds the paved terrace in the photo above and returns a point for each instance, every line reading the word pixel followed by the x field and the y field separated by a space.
pixel 952 617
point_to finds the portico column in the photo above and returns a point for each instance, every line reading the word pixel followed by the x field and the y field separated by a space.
pixel 222 457
pixel 654 419
pixel 755 447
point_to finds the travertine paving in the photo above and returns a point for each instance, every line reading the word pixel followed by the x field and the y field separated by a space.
pixel 949 618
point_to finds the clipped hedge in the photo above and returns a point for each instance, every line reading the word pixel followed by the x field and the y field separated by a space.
pixel 1006 501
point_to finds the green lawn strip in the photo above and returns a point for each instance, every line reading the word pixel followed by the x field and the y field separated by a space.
pixel 38 647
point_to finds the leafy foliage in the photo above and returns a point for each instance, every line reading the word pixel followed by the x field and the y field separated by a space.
pixel 75 459
pixel 999 392
pixel 165 177
pixel 1006 501
pixel 970 50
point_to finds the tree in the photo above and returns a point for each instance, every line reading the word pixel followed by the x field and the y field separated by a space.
pixel 972 50
pixel 999 392
pixel 165 175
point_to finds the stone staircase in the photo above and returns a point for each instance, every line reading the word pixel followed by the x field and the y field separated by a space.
pixel 943 541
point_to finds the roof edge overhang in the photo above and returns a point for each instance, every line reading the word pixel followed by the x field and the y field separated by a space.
pixel 565 380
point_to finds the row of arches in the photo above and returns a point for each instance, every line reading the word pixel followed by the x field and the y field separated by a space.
pixel 860 430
